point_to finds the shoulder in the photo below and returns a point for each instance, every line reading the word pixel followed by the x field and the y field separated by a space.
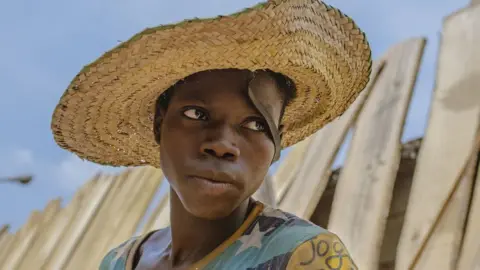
pixel 324 251
pixel 302 244
pixel 126 253
pixel 116 258
pixel 285 228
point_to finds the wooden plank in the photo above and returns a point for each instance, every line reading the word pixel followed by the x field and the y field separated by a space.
pixel 104 222
pixel 398 206
pixel 7 242
pixel 158 213
pixel 149 224
pixel 132 213
pixel 24 246
pixel 446 145
pixel 363 195
pixel 3 231
pixel 60 231
pixel 4 235
pixel 46 217
pixel 288 169
pixel 446 230
pixel 143 198
pixel 470 252
pixel 401 192
pixel 10 258
pixel 163 218
pixel 111 220
pixel 77 229
pixel 312 178
pixel 51 234
pixel 452 196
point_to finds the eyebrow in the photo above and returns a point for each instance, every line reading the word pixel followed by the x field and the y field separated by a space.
pixel 194 99
pixel 191 96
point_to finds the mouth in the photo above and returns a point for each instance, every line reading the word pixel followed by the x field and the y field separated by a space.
pixel 214 176
pixel 211 186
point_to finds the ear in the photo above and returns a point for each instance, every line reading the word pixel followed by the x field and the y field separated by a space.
pixel 157 124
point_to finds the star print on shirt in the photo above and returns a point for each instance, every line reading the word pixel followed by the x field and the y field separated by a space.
pixel 254 239
pixel 269 212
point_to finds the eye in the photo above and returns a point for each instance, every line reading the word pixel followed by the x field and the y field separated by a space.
pixel 195 113
pixel 255 125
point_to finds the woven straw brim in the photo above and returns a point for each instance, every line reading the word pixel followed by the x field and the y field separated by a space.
pixel 106 114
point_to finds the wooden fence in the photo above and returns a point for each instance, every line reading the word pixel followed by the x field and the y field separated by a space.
pixel 410 206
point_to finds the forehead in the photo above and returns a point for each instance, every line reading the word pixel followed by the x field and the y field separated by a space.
pixel 213 84
pixel 229 86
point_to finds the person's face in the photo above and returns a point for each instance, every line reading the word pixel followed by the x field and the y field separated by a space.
pixel 215 147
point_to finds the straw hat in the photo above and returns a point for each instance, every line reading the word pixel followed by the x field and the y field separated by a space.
pixel 106 114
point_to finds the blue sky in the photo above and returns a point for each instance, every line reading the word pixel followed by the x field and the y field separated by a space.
pixel 45 43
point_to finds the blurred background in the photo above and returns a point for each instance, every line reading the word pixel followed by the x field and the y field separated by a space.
pixel 364 200
pixel 45 43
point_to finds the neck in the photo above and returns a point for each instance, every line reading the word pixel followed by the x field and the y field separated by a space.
pixel 194 238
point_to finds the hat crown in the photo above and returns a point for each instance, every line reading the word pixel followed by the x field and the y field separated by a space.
pixel 106 115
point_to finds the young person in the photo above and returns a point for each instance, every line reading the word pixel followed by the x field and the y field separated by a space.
pixel 212 103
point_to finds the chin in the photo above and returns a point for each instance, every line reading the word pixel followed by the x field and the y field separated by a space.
pixel 209 209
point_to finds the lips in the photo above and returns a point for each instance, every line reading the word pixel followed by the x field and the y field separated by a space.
pixel 214 180
pixel 218 177
pixel 212 187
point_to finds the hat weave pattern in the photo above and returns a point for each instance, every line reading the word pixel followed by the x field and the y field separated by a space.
pixel 106 113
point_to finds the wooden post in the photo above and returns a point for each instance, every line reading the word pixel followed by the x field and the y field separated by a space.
pixel 427 240
pixel 364 190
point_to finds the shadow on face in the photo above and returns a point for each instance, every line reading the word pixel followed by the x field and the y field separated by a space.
pixel 216 147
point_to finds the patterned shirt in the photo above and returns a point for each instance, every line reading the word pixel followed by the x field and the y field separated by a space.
pixel 268 239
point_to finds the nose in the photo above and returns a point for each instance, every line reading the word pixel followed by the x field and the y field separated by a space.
pixel 221 145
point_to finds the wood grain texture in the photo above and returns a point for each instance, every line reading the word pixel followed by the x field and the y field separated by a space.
pixel 16 247
pixel 364 191
pixel 288 168
pixel 446 235
pixel 107 220
pixel 3 231
pixel 4 238
pixel 163 218
pixel 470 252
pixel 51 234
pixel 5 244
pixel 75 233
pixel 158 214
pixel 133 212
pixel 311 177
pixel 25 250
pixel 453 123
pixel 63 227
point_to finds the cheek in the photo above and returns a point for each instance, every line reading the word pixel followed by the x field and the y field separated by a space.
pixel 258 158
pixel 175 146
pixel 167 163
pixel 177 135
